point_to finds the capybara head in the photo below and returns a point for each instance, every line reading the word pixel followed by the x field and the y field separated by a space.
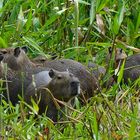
pixel 39 59
pixel 63 85
pixel 16 58
pixel 119 54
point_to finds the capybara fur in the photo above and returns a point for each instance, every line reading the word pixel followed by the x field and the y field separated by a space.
pixel 98 71
pixel 132 68
pixel 63 86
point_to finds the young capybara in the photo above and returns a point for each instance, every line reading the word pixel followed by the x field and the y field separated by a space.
pixel 63 86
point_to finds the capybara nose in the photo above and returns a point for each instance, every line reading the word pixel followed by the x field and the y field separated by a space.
pixel 1 57
pixel 75 87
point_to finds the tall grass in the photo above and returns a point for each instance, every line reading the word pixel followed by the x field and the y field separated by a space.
pixel 70 30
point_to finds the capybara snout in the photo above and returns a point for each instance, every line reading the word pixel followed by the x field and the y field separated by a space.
pixel 75 87
pixel 1 57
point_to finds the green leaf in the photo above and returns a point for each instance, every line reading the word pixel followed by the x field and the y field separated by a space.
pixel 121 14
pixel 29 21
pixel 92 11
pixel 120 75
pixel 115 25
pixel 138 23
pixel 100 4
pixel 83 2
pixel 50 21
pixel 2 43
pixel 35 106
pixel 95 126
pixel 34 45
pixel 132 130
pixel 14 13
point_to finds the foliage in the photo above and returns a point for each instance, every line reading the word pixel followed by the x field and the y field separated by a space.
pixel 73 30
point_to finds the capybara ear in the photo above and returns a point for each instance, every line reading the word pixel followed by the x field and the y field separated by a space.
pixel 25 49
pixel 51 73
pixel 17 52
pixel 1 58
pixel 110 49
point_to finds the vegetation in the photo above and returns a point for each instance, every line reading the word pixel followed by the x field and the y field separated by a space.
pixel 76 29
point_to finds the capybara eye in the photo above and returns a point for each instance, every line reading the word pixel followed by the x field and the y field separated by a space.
pixel 42 60
pixel 59 77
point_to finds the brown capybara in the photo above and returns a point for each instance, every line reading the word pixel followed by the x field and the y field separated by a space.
pixel 11 76
pixel 131 67
pixel 17 59
pixel 119 55
pixel 62 85
pixel 88 81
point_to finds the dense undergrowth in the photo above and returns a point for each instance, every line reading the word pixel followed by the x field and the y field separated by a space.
pixel 77 30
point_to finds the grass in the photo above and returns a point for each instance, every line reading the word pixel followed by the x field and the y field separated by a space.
pixel 70 30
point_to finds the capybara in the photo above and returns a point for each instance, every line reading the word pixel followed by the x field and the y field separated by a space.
pixel 119 55
pixel 88 81
pixel 17 59
pixel 63 86
pixel 131 67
